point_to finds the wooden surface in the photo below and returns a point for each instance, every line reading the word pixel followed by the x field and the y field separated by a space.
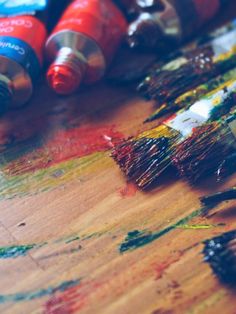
pixel 69 220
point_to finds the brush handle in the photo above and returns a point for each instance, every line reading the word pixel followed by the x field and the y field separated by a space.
pixel 219 197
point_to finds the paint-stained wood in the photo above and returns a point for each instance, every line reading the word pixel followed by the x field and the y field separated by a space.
pixel 75 238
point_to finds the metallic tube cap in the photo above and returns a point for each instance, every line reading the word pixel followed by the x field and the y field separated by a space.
pixel 15 84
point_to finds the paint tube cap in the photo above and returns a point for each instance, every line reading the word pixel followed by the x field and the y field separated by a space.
pixel 66 72
pixel 6 93
pixel 63 79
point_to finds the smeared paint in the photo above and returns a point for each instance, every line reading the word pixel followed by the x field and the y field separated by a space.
pixel 162 267
pixel 72 239
pixel 43 163
pixel 129 190
pixel 200 227
pixel 37 294
pixel 60 253
pixel 137 239
pixel 162 311
pixel 56 176
pixel 64 145
pixel 15 250
pixel 70 301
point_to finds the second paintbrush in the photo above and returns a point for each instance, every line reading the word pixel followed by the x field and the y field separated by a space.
pixel 143 158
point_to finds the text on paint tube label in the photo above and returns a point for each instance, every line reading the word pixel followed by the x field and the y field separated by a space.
pixel 8 25
pixel 12 46
pixel 24 28
pixel 20 7
pixel 20 52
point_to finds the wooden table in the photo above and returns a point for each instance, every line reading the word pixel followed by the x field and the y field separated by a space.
pixel 70 226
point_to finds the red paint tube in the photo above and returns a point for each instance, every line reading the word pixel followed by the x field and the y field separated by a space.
pixel 83 44
pixel 23 35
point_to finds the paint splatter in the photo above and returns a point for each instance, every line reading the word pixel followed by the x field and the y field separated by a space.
pixel 15 250
pixel 37 294
pixel 137 239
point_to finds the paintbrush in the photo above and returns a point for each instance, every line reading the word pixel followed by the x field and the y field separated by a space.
pixel 130 67
pixel 143 158
pixel 220 253
pixel 190 70
pixel 188 98
pixel 219 197
pixel 203 152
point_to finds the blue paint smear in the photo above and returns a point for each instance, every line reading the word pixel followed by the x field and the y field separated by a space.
pixel 28 296
pixel 136 239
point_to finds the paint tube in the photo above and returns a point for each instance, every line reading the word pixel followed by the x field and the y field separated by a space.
pixel 165 23
pixel 23 32
pixel 83 44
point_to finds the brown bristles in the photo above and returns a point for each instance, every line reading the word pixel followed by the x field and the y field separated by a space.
pixel 202 153
pixel 143 159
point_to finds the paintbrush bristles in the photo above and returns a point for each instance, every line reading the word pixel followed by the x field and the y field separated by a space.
pixel 166 84
pixel 203 152
pixel 220 253
pixel 144 158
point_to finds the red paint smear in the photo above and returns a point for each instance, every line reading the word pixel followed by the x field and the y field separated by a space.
pixel 129 190
pixel 65 145
pixel 70 301
pixel 161 268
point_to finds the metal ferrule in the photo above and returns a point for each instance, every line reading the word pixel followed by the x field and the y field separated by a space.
pixel 16 85
pixel 199 113
pixel 75 49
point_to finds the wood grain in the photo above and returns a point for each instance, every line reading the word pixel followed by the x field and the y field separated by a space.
pixel 64 218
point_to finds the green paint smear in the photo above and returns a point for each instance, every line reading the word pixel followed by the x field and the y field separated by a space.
pixel 44 180
pixel 28 296
pixel 72 239
pixel 15 250
pixel 136 239
pixel 200 227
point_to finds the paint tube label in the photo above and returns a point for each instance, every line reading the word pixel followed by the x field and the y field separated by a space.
pixel 21 7
pixel 18 43
pixel 100 20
